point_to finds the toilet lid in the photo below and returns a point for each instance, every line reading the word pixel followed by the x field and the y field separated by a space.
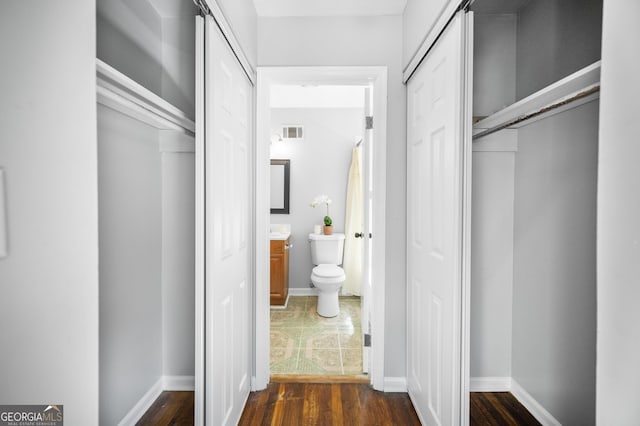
pixel 328 271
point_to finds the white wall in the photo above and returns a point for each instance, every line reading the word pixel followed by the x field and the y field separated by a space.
pixel 130 262
pixel 360 41
pixel 49 281
pixel 319 165
pixel 494 63
pixel 618 372
pixel 178 258
pixel 492 257
pixel 555 39
pixel 418 19
pixel 554 293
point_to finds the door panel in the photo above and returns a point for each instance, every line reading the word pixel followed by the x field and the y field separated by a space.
pixel 435 177
pixel 227 191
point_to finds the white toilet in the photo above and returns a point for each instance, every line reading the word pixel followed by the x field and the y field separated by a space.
pixel 327 277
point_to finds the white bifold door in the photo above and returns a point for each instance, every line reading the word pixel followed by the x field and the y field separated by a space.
pixel 224 176
pixel 438 154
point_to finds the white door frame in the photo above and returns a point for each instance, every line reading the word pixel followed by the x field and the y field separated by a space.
pixel 268 76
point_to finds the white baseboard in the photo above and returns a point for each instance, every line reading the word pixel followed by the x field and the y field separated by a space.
pixel 143 404
pixel 490 384
pixel 307 291
pixel 395 384
pixel 534 407
pixel 164 383
pixel 179 383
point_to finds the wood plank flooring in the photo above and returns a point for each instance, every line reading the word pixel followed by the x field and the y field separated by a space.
pixel 499 408
pixel 171 408
pixel 327 404
pixel 336 404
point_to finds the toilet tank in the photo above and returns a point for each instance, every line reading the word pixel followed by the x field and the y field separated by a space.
pixel 326 249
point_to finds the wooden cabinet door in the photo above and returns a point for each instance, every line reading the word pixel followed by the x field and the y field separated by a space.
pixel 279 272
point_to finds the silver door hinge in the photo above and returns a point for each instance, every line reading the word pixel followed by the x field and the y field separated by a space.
pixel 367 340
pixel 368 120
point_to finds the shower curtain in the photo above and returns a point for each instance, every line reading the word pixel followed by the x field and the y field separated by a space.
pixel 352 262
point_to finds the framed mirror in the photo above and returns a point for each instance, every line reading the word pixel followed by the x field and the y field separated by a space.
pixel 280 179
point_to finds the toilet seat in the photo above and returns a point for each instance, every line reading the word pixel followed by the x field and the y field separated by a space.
pixel 328 271
pixel 328 279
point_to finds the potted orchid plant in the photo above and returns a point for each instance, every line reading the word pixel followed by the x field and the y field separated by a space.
pixel 328 223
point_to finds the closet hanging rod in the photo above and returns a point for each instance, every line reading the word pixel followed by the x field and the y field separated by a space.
pixel 587 93
pixel 119 92
pixel 573 90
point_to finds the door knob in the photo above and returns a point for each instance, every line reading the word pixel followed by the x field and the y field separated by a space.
pixel 359 235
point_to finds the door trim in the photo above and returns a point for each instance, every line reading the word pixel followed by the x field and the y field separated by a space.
pixel 467 173
pixel 199 362
pixel 267 76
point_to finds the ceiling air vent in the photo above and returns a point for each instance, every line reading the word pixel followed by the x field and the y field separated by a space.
pixel 291 133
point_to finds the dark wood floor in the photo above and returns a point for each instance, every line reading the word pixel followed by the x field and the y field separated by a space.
pixel 327 404
pixel 336 404
pixel 171 408
pixel 499 408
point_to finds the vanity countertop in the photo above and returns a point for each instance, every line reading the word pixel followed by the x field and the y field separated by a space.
pixel 279 231
pixel 279 235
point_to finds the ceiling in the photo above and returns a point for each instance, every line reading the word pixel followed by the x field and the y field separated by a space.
pixel 274 8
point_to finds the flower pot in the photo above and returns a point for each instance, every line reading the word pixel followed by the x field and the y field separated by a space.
pixel 328 230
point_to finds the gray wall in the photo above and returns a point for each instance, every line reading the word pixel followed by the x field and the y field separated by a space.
pixel 146 208
pixel 491 261
pixel 494 63
pixel 555 39
pixel 319 165
pixel 554 294
pixel 360 41
pixel 618 372
pixel 130 262
pixel 130 44
pixel 178 262
pixel 49 281
pixel 154 50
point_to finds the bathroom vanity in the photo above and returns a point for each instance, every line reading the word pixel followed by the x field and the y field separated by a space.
pixel 279 268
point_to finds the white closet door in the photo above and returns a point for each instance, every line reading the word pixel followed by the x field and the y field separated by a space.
pixel 435 179
pixel 227 156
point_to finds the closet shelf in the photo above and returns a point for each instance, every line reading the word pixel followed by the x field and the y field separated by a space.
pixel 117 91
pixel 569 92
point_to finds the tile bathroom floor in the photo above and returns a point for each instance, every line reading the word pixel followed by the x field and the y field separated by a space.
pixel 303 342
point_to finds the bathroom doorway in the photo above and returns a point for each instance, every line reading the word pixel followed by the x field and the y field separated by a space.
pixel 282 137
